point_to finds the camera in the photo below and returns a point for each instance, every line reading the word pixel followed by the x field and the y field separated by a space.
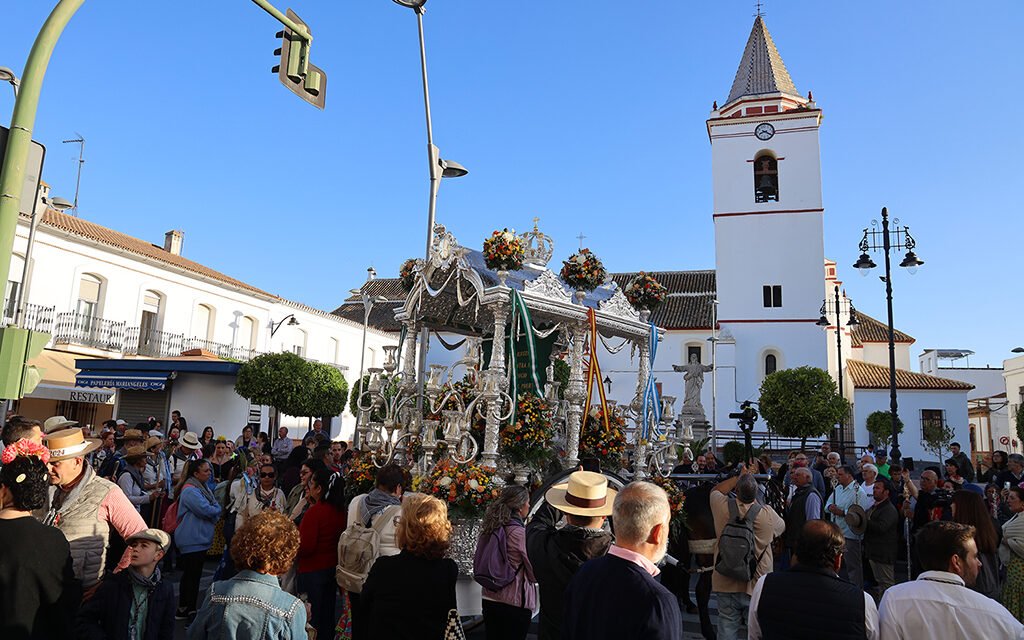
pixel 747 415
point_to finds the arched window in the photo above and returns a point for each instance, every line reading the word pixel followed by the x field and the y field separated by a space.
pixel 771 364
pixel 205 321
pixel 247 332
pixel 766 178
pixel 299 345
pixel 332 350
pixel 89 296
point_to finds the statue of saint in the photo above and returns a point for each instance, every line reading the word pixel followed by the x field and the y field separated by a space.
pixel 694 382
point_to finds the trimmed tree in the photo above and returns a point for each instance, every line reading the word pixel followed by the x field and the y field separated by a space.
pixel 880 426
pixel 935 438
pixel 801 403
pixel 292 385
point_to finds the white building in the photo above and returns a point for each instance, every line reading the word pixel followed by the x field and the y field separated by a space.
pixel 106 295
pixel 1013 374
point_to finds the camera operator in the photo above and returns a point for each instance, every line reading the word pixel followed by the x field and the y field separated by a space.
pixel 928 503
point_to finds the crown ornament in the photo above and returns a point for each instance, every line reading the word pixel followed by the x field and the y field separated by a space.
pixel 538 247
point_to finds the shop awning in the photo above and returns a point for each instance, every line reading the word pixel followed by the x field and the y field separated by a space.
pixel 127 379
pixel 58 368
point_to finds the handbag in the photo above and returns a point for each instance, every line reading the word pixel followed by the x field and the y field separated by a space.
pixel 453 628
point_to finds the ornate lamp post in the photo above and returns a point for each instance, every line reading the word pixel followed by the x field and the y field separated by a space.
pixel 886 240
pixel 838 307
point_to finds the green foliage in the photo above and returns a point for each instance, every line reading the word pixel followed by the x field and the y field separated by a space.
pixel 801 403
pixel 935 438
pixel 561 376
pixel 880 425
pixel 292 385
pixel 732 452
pixel 1020 422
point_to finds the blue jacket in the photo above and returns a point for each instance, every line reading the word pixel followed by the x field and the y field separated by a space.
pixel 198 517
pixel 251 605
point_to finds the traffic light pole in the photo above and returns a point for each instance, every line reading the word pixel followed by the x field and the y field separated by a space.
pixel 300 30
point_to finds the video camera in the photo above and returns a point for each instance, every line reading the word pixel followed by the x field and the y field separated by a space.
pixel 746 417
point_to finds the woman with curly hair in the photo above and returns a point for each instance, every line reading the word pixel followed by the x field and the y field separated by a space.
pixel 389 608
pixel 508 608
pixel 39 589
pixel 252 604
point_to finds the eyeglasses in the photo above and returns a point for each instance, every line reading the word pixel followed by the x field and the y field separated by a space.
pixel 268 475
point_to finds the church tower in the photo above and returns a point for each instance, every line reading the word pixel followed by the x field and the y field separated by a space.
pixel 769 241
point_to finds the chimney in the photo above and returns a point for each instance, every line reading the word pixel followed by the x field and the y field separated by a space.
pixel 173 240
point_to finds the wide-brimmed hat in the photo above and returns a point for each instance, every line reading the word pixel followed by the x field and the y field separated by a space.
pixel 857 519
pixel 190 441
pixel 120 422
pixel 151 442
pixel 69 443
pixel 158 536
pixel 133 434
pixel 56 423
pixel 585 494
pixel 136 452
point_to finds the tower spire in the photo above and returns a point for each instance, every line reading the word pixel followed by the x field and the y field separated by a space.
pixel 761 69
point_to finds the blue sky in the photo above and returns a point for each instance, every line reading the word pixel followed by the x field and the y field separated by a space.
pixel 588 115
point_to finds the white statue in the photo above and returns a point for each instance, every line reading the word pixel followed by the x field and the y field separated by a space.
pixel 694 382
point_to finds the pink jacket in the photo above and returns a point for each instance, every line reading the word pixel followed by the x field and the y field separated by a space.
pixel 521 591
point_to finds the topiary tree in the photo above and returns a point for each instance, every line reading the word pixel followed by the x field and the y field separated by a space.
pixel 732 452
pixel 292 385
pixel 880 426
pixel 801 403
pixel 935 438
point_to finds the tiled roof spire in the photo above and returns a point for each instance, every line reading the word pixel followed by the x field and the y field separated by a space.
pixel 761 69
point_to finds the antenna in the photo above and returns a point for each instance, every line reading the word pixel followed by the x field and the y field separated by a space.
pixel 80 141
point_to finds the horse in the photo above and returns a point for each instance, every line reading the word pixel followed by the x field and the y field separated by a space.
pixel 698 542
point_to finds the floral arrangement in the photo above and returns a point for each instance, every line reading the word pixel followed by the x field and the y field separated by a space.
pixel 24 448
pixel 607 446
pixel 407 274
pixel 465 488
pixel 645 292
pixel 504 251
pixel 528 440
pixel 583 271
pixel 676 503
pixel 361 475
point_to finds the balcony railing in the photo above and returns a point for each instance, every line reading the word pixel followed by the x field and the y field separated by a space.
pixel 218 349
pixel 89 331
pixel 35 317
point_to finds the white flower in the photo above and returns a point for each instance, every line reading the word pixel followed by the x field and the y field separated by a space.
pixel 445 481
pixel 473 484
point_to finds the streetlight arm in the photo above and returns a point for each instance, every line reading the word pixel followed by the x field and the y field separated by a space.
pixel 278 324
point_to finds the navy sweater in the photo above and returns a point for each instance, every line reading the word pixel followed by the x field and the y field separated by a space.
pixel 614 598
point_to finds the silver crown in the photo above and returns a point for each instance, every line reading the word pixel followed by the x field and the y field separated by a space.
pixel 538 247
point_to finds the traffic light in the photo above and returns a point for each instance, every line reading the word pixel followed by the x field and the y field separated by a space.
pixel 294 70
pixel 17 347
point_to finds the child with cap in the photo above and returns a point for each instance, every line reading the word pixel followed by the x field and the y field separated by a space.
pixel 135 603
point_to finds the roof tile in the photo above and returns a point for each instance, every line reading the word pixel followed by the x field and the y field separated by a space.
pixel 866 375
pixel 871 330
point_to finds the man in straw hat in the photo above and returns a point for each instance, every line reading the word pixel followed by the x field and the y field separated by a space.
pixel 114 465
pixel 617 595
pixel 85 507
pixel 57 423
pixel 556 554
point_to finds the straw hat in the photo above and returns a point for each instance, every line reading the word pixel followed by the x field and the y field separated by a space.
pixel 56 423
pixel 133 434
pixel 69 443
pixel 190 441
pixel 152 441
pixel 857 519
pixel 133 453
pixel 585 494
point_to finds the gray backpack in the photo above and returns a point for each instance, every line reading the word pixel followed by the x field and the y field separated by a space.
pixel 737 546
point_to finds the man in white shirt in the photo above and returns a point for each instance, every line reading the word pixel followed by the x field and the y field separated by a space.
pixel 939 603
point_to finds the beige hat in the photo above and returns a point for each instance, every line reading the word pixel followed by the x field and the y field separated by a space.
pixel 857 519
pixel 585 494
pixel 133 434
pixel 135 452
pixel 152 441
pixel 155 535
pixel 69 443
pixel 190 441
pixel 56 423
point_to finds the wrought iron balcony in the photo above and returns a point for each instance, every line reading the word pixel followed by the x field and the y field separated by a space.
pixel 89 331
pixel 35 317
pixel 218 349
pixel 153 343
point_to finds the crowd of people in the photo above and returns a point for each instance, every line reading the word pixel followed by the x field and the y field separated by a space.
pixel 92 527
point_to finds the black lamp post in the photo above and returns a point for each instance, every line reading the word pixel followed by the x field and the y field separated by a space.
pixel 838 307
pixel 886 240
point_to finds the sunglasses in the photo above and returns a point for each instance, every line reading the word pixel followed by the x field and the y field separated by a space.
pixel 268 475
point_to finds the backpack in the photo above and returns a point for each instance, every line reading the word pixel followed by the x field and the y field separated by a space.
pixel 170 521
pixel 491 567
pixel 737 544
pixel 359 548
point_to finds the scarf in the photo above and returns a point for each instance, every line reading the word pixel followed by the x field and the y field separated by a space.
pixel 266 500
pixel 203 488
pixel 140 580
pixel 375 502
pixel 142 592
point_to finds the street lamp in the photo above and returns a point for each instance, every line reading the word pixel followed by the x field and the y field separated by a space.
pixel 292 322
pixel 837 307
pixel 368 302
pixel 437 167
pixel 887 240
pixel 1017 350
pixel 6 75
pixel 608 383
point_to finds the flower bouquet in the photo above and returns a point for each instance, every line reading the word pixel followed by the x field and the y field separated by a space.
pixel 465 488
pixel 407 274
pixel 606 446
pixel 676 503
pixel 361 476
pixel 644 292
pixel 503 251
pixel 527 441
pixel 583 271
